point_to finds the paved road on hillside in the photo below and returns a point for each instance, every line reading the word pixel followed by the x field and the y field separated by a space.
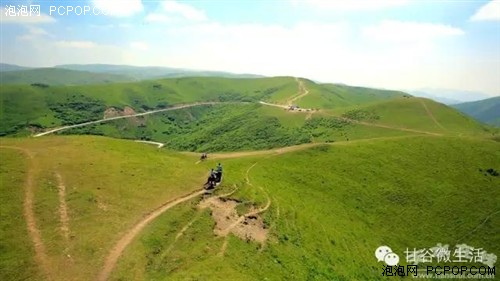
pixel 126 116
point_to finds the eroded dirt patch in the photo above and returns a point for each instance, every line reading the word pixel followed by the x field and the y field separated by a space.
pixel 127 111
pixel 247 227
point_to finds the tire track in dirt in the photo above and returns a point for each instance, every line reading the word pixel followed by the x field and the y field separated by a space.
pixel 183 230
pixel 242 218
pixel 479 226
pixel 384 126
pixel 41 257
pixel 303 91
pixel 198 215
pixel 125 240
pixel 63 208
pixel 429 113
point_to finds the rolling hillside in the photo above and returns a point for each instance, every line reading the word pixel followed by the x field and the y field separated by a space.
pixel 307 194
pixel 487 110
pixel 236 121
pixel 323 209
pixel 57 76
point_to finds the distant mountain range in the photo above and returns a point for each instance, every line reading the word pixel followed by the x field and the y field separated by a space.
pixel 487 110
pixel 71 74
pixel 12 67
pixel 448 96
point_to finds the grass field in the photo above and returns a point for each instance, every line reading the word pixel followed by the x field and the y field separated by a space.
pixel 321 189
pixel 331 207
pixel 34 107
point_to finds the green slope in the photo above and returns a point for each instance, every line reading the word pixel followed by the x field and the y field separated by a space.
pixel 57 76
pixel 332 96
pixel 23 106
pixel 487 110
pixel 332 206
pixel 245 125
pixel 417 114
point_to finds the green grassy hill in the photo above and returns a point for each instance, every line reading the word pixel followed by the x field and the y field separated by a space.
pixel 37 106
pixel 336 96
pixel 330 207
pixel 487 110
pixel 346 113
pixel 415 113
pixel 57 76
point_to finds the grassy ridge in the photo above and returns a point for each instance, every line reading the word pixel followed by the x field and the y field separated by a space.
pixel 331 96
pixel 38 106
pixel 23 106
pixel 235 127
pixel 484 110
pixel 57 76
pixel 332 206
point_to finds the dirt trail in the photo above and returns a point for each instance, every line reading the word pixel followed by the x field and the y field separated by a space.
pixel 120 246
pixel 384 126
pixel 248 226
pixel 303 91
pixel 479 226
pixel 370 124
pixel 63 208
pixel 429 113
pixel 292 148
pixel 275 105
pixel 128 116
pixel 159 144
pixel 41 257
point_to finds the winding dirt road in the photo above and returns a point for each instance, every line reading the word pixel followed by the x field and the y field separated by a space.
pixel 117 250
pixel 126 116
pixel 303 91
pixel 41 257
pixel 159 144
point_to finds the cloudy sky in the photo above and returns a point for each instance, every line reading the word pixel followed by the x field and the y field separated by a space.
pixel 397 44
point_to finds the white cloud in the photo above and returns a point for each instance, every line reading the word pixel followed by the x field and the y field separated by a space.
pixel 119 8
pixel 34 33
pixel 155 17
pixel 76 44
pixel 390 30
pixel 183 10
pixel 141 46
pixel 28 19
pixel 37 30
pixel 352 5
pixel 489 11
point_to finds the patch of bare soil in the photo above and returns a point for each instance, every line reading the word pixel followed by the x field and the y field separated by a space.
pixel 127 111
pixel 248 227
pixel 111 112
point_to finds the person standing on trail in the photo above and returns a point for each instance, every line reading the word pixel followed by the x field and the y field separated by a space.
pixel 212 177
pixel 219 172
